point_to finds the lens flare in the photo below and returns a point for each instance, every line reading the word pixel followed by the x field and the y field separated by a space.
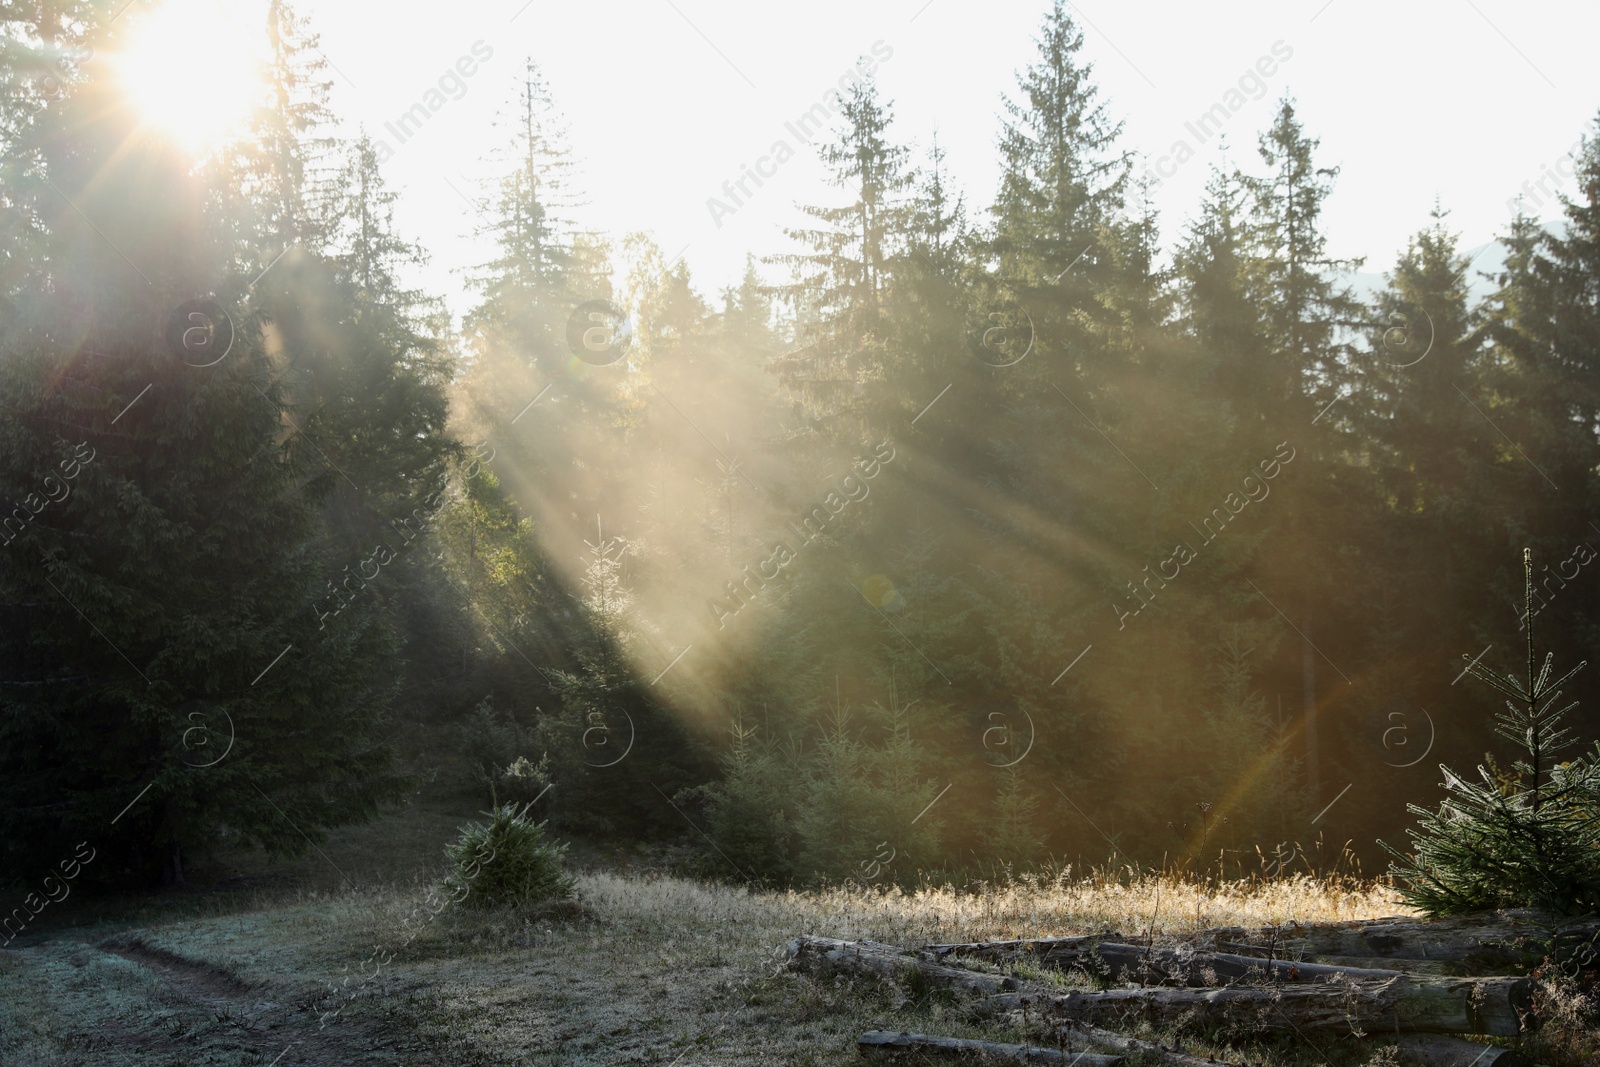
pixel 193 70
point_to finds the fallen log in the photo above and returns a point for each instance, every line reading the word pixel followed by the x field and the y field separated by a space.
pixel 1131 1045
pixel 1165 966
pixel 1493 1006
pixel 1354 963
pixel 1382 963
pixel 1515 936
pixel 1403 1003
pixel 882 1041
pixel 1433 1050
pixel 826 955
pixel 1002 950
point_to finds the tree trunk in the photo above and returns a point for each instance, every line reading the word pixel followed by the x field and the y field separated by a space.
pixel 1308 675
pixel 998 950
pixel 172 868
pixel 1485 940
pixel 1353 964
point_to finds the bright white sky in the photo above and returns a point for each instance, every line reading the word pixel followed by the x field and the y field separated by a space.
pixel 1465 100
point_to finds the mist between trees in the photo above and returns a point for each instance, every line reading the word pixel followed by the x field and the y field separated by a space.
pixel 844 727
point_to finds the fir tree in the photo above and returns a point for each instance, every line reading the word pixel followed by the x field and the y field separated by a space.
pixel 527 287
pixel 752 807
pixel 1063 180
pixel 1016 835
pixel 842 280
pixel 1307 311
pixel 173 597
pixel 615 753
pixel 286 172
pixel 1525 839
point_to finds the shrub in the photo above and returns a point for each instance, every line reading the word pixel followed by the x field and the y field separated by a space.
pixel 506 862
pixel 1526 836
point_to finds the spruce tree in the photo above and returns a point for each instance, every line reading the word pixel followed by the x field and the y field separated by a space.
pixel 188 637
pixel 280 182
pixel 1310 320
pixel 534 293
pixel 527 288
pixel 615 751
pixel 866 814
pixel 842 280
pixel 1308 311
pixel 1540 388
pixel 1063 181
pixel 1437 504
pixel 1523 837
pixel 752 808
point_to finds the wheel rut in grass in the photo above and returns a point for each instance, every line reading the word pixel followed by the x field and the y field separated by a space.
pixel 283 1029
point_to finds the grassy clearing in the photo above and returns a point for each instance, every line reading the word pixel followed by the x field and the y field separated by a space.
pixel 645 968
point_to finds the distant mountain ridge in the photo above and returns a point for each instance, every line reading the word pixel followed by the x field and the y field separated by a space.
pixel 1485 262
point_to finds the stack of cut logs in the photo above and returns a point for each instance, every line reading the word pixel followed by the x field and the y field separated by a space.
pixel 1402 980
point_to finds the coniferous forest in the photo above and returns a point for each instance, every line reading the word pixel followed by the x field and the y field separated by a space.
pixel 1006 620
pixel 967 534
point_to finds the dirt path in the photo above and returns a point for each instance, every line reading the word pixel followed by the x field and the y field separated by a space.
pixel 122 1000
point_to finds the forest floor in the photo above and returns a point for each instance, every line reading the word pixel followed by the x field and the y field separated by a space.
pixel 333 959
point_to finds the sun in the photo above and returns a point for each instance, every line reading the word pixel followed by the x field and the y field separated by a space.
pixel 193 70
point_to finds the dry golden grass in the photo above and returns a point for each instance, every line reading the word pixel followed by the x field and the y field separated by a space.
pixel 1050 906
pixel 671 966
pixel 646 969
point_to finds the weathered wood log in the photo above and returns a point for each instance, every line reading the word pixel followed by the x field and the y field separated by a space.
pixel 1433 967
pixel 998 950
pixel 1403 1003
pixel 1494 1006
pixel 1382 963
pixel 825 955
pixel 1168 967
pixel 883 1041
pixel 1131 1045
pixel 1517 936
pixel 1434 1050
pixel 1511 935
